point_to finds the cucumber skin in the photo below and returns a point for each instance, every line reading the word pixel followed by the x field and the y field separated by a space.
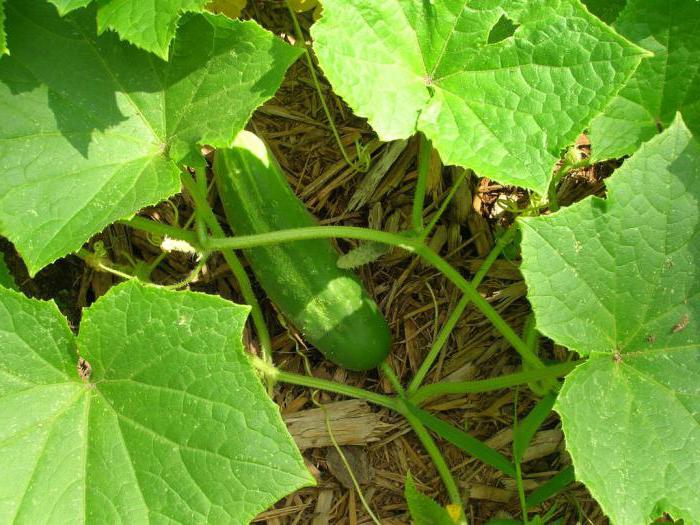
pixel 328 305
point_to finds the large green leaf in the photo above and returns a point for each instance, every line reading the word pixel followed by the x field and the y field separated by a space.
pixel 617 280
pixel 662 85
pixel 172 424
pixel 148 24
pixel 92 129
pixel 505 109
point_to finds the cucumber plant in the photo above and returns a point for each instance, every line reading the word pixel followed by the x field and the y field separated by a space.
pixel 154 412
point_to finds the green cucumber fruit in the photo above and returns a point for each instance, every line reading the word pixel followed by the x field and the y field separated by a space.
pixel 327 304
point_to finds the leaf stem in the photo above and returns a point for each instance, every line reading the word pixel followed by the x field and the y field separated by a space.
pixel 445 202
pixel 397 404
pixel 361 167
pixel 435 455
pixel 424 153
pixel 566 167
pixel 456 314
pixel 444 388
pixel 164 230
pixel 207 215
pixel 291 378
pixel 519 483
pixel 407 243
pixel 389 373
pixel 94 261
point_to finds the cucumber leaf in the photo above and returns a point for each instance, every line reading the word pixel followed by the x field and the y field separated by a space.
pixel 93 129
pixel 424 510
pixel 6 278
pixel 617 280
pixel 167 421
pixel 504 109
pixel 148 24
pixel 662 85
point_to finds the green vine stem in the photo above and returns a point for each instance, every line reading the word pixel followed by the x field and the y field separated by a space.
pixel 94 261
pixel 363 165
pixel 407 243
pixel 444 388
pixel 398 404
pixel 424 151
pixel 405 408
pixel 531 338
pixel 565 168
pixel 275 374
pixel 164 230
pixel 435 455
pixel 518 467
pixel 391 376
pixel 456 314
pixel 207 215
pixel 443 206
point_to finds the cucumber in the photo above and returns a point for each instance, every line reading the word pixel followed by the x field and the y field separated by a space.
pixel 328 305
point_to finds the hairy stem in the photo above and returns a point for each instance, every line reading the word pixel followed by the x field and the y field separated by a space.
pixel 437 458
pixel 447 328
pixel 314 78
pixel 234 264
pixel 291 378
pixel 164 230
pixel 444 388
pixel 445 202
pixel 566 167
pixel 424 152
pixel 412 245
pixel 391 376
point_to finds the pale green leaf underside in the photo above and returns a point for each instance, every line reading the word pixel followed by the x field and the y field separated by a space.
pixel 504 109
pixel 662 85
pixel 148 24
pixel 173 424
pixel 617 280
pixel 6 278
pixel 92 129
pixel 424 510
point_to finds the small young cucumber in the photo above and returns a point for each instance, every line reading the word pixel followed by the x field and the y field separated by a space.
pixel 328 305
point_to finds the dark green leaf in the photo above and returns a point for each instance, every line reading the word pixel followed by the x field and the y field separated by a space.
pixel 92 129
pixel 6 278
pixel 667 82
